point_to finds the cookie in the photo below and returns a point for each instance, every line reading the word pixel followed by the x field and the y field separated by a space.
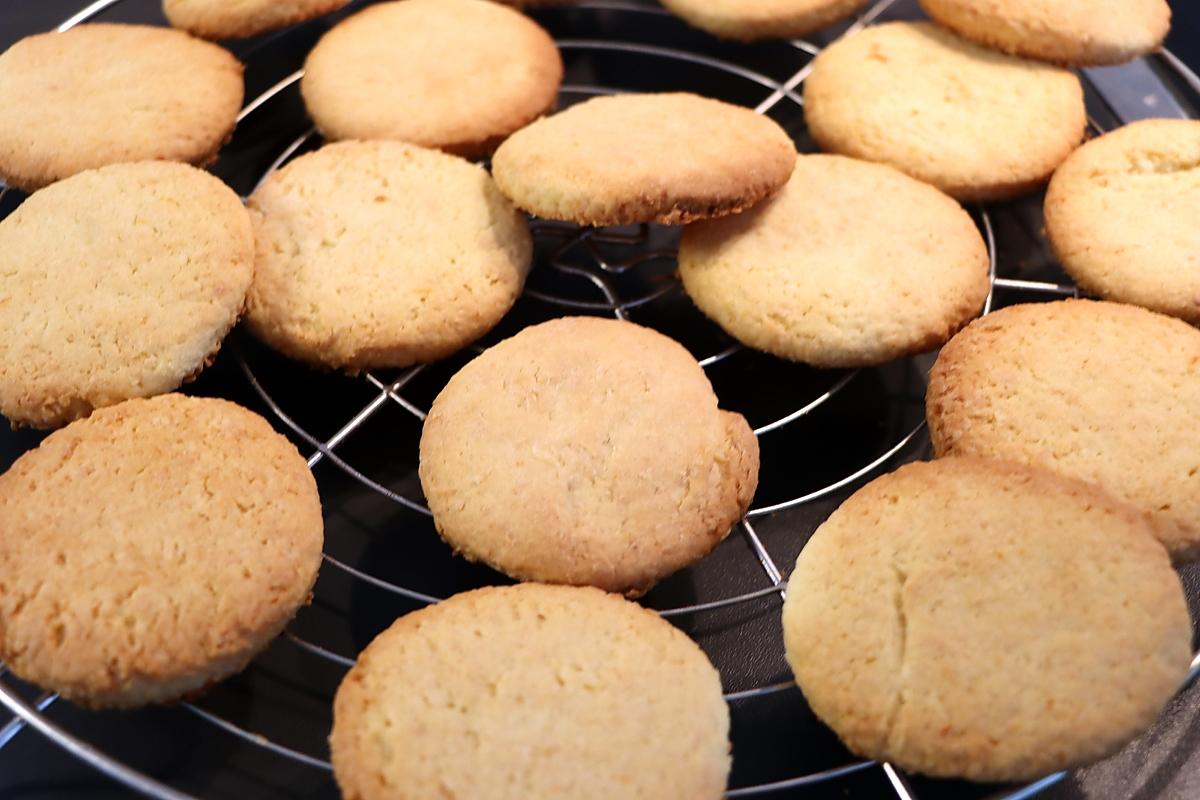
pixel 102 94
pixel 585 451
pixel 119 282
pixel 220 19
pixel 971 619
pixel 882 267
pixel 382 254
pixel 1076 32
pixel 535 692
pixel 1102 392
pixel 944 110
pixel 1122 216
pixel 153 549
pixel 458 75
pixel 762 19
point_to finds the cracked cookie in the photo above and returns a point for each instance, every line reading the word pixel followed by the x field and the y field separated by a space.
pixel 762 19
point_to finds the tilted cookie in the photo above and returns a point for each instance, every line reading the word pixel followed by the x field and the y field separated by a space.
pixel 749 20
pixel 221 19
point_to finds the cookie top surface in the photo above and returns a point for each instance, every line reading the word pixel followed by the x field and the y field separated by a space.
pixel 152 549
pixel 458 75
pixel 101 94
pixel 881 267
pixel 531 692
pixel 585 451
pixel 1103 392
pixel 762 19
pixel 965 618
pixel 944 110
pixel 119 282
pixel 1076 32
pixel 1123 216
pixel 373 254
pixel 222 19
pixel 626 159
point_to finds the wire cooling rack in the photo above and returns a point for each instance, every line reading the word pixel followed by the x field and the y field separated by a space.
pixel 822 434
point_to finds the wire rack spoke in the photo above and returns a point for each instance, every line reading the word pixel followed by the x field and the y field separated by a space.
pixel 316 649
pixel 257 739
pixel 18 724
pixel 760 691
pixel 808 408
pixel 803 780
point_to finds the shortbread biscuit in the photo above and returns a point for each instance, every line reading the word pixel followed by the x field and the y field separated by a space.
pixel 533 692
pixel 153 549
pixel 669 158
pixel 118 282
pixel 102 94
pixel 852 264
pixel 585 451
pixel 235 19
pixel 1103 392
pixel 967 618
pixel 1123 216
pixel 978 125
pixel 458 75
pixel 762 19
pixel 1076 32
pixel 382 254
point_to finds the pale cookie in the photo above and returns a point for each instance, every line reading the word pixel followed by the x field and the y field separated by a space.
pixel 978 125
pixel 458 75
pixel 1103 392
pixel 973 619
pixel 118 282
pixel 752 20
pixel 153 549
pixel 1123 216
pixel 531 692
pixel 585 451
pixel 382 254
pixel 669 158
pixel 235 19
pixel 881 267
pixel 1077 32
pixel 102 94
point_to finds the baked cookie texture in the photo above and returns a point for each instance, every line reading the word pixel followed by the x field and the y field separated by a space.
pixel 236 19
pixel 141 562
pixel 966 618
pixel 457 75
pixel 119 282
pixel 585 451
pixel 1123 216
pixel 762 19
pixel 533 692
pixel 105 93
pixel 944 110
pixel 1075 32
pixel 382 254
pixel 851 264
pixel 1103 392
pixel 669 158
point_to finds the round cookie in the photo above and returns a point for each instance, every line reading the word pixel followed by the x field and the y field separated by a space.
pixel 222 19
pixel 625 159
pixel 118 282
pixel 1102 392
pixel 153 549
pixel 1123 216
pixel 944 110
pixel 762 19
pixel 101 94
pixel 458 75
pixel 382 254
pixel 1077 32
pixel 966 618
pixel 585 451
pixel 534 692
pixel 882 267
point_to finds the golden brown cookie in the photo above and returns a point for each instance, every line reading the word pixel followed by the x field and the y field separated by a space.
pixel 153 549
pixel 585 451
pixel 967 618
pixel 235 19
pixel 749 20
pixel 533 692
